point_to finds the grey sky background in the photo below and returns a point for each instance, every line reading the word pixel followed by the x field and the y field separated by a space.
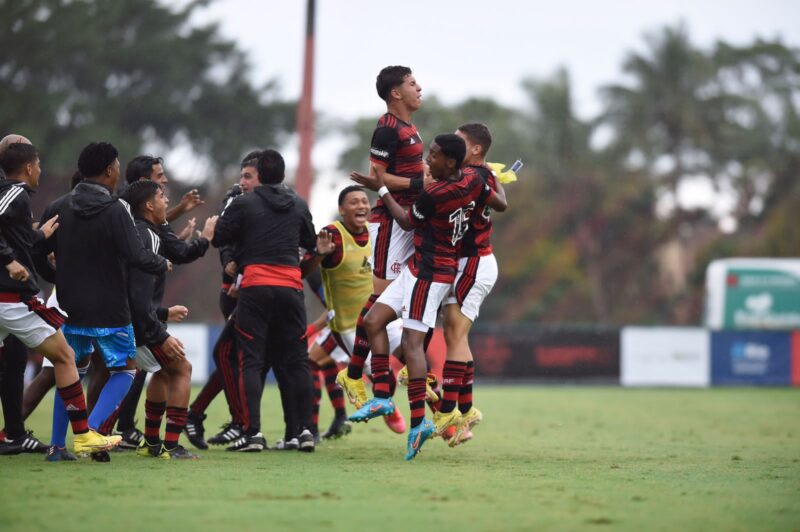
pixel 468 48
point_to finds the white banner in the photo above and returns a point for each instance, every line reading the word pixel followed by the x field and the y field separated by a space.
pixel 194 337
pixel 665 356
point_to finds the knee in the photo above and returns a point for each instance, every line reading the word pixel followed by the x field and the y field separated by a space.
pixel 373 323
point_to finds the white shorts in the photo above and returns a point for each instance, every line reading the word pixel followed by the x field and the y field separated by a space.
pixel 391 249
pixel 340 345
pixel 475 279
pixel 329 344
pixel 146 361
pixel 415 300
pixel 31 326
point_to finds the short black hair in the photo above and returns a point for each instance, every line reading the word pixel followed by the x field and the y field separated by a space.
pixel 96 157
pixel 140 192
pixel 271 168
pixel 140 167
pixel 452 146
pixel 76 178
pixel 389 78
pixel 479 134
pixel 347 190
pixel 251 159
pixel 14 158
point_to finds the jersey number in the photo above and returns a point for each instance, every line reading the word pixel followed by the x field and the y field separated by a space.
pixel 460 220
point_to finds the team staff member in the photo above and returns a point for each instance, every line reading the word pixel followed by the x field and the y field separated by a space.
pixel 269 226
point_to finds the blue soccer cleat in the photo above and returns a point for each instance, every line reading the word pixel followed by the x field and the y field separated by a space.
pixel 375 407
pixel 417 436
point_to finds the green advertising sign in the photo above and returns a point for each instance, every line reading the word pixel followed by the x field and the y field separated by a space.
pixel 761 299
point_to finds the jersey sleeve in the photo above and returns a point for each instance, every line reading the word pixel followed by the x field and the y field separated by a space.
pixel 383 146
pixel 333 260
pixel 423 209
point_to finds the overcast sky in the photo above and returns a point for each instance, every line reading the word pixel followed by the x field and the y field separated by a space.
pixel 461 48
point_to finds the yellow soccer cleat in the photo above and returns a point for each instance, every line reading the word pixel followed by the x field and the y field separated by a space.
pixel 353 388
pixel 92 442
pixel 402 376
pixel 444 421
pixel 464 430
pixel 432 382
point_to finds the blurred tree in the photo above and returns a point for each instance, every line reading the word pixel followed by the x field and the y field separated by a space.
pixel 131 72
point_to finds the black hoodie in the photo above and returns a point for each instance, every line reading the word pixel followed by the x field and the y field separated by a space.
pixel 94 245
pixel 146 290
pixel 17 237
pixel 268 225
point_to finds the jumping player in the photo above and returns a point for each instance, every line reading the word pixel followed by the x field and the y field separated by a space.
pixel 396 159
pixel 439 218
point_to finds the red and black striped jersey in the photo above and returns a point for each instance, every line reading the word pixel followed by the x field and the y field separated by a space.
pixel 440 217
pixel 477 240
pixel 396 146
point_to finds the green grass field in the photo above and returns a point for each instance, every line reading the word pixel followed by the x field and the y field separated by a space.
pixel 545 458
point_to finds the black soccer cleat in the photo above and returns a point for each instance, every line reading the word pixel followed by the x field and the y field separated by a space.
pixel 306 440
pixel 100 456
pixel 249 444
pixel 179 452
pixel 26 443
pixel 230 432
pixel 195 431
pixel 131 439
pixel 339 427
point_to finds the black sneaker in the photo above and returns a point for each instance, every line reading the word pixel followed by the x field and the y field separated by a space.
pixel 24 444
pixel 229 433
pixel 59 454
pixel 195 431
pixel 287 445
pixel 339 427
pixel 131 439
pixel 306 440
pixel 249 444
pixel 101 456
pixel 179 452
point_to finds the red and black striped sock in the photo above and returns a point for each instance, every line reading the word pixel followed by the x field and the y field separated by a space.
pixel 381 381
pixel 75 403
pixel 176 420
pixel 107 426
pixel 355 369
pixel 416 400
pixel 207 394
pixel 317 397
pixel 153 412
pixel 335 393
pixel 452 379
pixel 465 394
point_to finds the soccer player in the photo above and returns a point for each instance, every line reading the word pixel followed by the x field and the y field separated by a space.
pixel 396 159
pixel 14 439
pixel 226 375
pixel 22 314
pixel 347 283
pixel 157 351
pixel 477 273
pixel 177 250
pixel 94 246
pixel 270 225
pixel 439 218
